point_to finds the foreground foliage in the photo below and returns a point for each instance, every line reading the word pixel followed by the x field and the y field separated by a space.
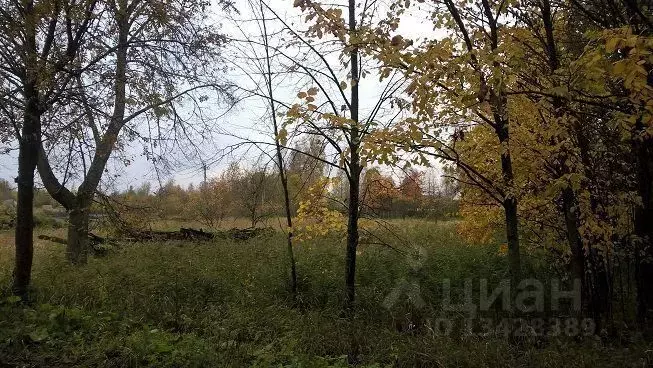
pixel 223 303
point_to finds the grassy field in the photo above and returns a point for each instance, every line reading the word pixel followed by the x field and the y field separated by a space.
pixel 227 304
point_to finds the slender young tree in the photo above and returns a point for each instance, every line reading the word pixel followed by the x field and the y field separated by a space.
pixel 342 125
pixel 328 105
pixel 355 164
pixel 279 155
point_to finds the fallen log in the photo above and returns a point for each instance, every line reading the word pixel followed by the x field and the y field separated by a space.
pixel 96 242
pixel 53 239
pixel 247 233
pixel 194 234
pixel 183 234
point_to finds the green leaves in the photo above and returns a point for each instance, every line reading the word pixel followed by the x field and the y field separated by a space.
pixel 561 91
pixel 12 300
pixel 282 137
pixel 39 335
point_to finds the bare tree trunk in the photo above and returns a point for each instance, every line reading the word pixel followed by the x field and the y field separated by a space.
pixel 27 158
pixel 352 234
pixel 509 202
pixel 354 173
pixel 280 164
pixel 78 245
pixel 644 230
pixel 512 237
pixel 286 198
pixel 570 212
pixel 570 208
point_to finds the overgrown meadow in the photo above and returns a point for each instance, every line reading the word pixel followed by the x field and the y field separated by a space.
pixel 226 303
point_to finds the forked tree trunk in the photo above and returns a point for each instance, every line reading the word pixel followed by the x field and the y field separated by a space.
pixel 78 204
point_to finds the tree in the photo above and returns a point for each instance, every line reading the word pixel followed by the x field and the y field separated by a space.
pixel 171 200
pixel 254 193
pixel 411 191
pixel 620 66
pixel 6 190
pixel 211 202
pixel 457 82
pixel 283 174
pixel 338 119
pixel 576 116
pixel 156 56
pixel 338 130
pixel 379 193
pixel 580 101
pixel 39 40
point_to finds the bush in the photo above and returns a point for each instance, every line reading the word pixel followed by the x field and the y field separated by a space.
pixel 43 220
pixel 7 216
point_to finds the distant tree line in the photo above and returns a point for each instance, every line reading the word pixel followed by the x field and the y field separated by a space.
pixel 255 194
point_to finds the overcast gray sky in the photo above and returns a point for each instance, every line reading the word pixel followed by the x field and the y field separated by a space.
pixel 245 120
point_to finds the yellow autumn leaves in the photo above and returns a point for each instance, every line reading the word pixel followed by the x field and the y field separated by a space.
pixel 314 217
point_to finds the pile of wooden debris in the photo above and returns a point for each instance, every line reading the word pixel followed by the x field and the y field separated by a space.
pixel 97 243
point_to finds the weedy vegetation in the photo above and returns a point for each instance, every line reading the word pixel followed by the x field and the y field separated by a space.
pixel 225 303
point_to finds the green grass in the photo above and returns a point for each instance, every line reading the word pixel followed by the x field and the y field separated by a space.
pixel 227 304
